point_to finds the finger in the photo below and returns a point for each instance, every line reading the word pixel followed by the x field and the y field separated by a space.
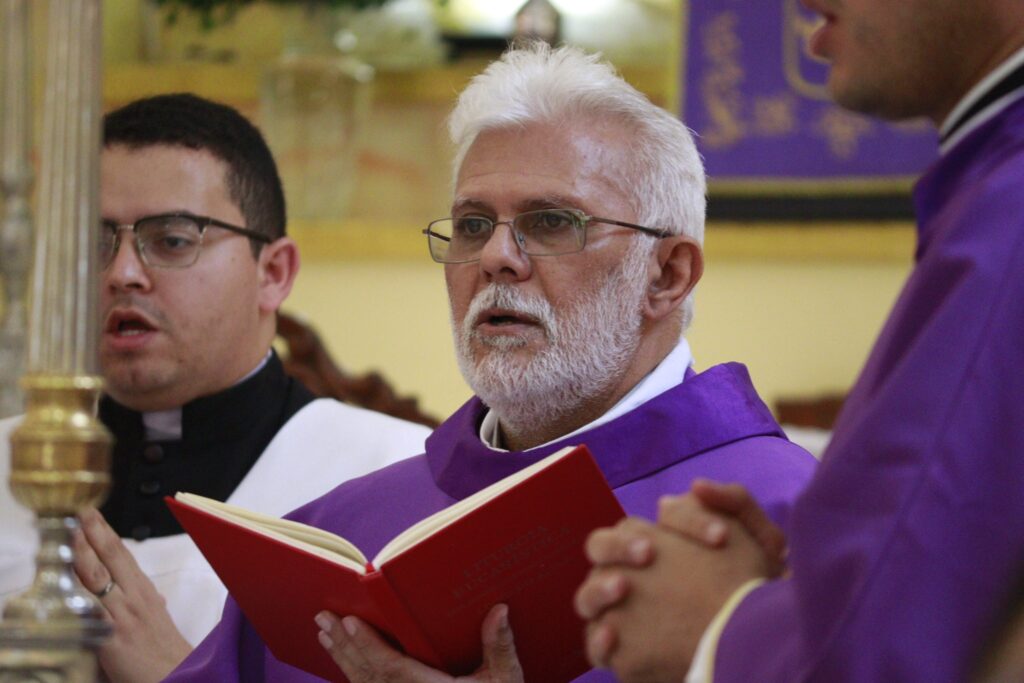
pixel 602 589
pixel 103 555
pixel 91 571
pixel 111 551
pixel 364 657
pixel 601 640
pixel 737 500
pixel 93 575
pixel 625 543
pixel 500 658
pixel 731 498
pixel 687 516
pixel 336 640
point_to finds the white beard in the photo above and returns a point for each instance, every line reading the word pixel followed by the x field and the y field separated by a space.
pixel 588 346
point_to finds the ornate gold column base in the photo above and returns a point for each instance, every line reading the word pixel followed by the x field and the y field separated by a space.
pixel 60 462
pixel 58 656
pixel 47 663
pixel 56 597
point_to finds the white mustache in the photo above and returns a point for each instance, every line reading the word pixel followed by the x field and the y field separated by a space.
pixel 508 297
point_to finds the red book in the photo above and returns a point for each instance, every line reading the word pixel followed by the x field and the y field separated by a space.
pixel 518 542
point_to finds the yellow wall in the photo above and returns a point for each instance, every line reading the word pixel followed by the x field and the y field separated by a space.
pixel 802 328
pixel 387 315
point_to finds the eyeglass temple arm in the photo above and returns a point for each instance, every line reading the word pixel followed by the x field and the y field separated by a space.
pixel 430 233
pixel 650 231
pixel 251 234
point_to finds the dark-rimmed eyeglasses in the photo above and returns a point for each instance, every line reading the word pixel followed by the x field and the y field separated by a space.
pixel 170 240
pixel 547 232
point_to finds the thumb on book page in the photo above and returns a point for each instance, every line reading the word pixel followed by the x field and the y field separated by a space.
pixel 501 664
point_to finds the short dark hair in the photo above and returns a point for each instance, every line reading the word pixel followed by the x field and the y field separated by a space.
pixel 185 120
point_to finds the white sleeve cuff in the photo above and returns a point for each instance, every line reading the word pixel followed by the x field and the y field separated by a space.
pixel 702 669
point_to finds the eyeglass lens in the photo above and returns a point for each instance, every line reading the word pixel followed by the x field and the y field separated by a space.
pixel 167 241
pixel 549 231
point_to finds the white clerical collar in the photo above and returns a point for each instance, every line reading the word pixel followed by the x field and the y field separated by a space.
pixel 669 373
pixel 954 128
pixel 165 425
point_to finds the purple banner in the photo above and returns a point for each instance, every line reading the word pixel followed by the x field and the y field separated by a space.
pixel 756 98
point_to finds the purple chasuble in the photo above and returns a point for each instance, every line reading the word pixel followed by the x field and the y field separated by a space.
pixel 711 425
pixel 905 546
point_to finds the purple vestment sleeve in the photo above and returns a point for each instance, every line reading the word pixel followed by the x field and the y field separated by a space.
pixel 911 535
pixel 712 424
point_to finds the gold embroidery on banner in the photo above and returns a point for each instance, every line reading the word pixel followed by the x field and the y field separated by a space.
pixel 720 86
pixel 843 131
pixel 776 115
pixel 797 29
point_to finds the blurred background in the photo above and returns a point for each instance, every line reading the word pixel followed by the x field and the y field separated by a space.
pixel 802 263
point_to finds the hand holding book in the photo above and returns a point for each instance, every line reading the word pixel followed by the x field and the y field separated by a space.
pixel 518 542
pixel 365 657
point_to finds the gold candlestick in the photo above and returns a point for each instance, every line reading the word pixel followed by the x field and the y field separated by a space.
pixel 60 463
pixel 60 453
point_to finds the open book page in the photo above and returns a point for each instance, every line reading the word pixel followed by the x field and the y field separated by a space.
pixel 311 539
pixel 439 520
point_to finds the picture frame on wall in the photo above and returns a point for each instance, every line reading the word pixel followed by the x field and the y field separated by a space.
pixel 775 147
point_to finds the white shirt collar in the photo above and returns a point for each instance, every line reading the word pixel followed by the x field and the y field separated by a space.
pixel 165 425
pixel 973 95
pixel 669 373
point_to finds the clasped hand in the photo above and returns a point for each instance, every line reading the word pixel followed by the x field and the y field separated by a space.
pixel 655 588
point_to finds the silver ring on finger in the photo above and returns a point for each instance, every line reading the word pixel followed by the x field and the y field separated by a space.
pixel 103 592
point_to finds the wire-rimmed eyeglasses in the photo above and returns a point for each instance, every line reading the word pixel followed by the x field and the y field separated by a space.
pixel 170 240
pixel 547 232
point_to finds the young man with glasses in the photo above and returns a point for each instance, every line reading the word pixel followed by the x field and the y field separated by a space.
pixel 570 257
pixel 194 263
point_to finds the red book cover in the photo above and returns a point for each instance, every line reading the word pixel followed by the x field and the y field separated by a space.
pixel 522 546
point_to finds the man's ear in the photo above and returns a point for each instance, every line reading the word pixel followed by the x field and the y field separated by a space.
pixel 277 266
pixel 678 266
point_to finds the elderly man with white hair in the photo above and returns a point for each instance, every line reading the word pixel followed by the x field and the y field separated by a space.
pixel 571 256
